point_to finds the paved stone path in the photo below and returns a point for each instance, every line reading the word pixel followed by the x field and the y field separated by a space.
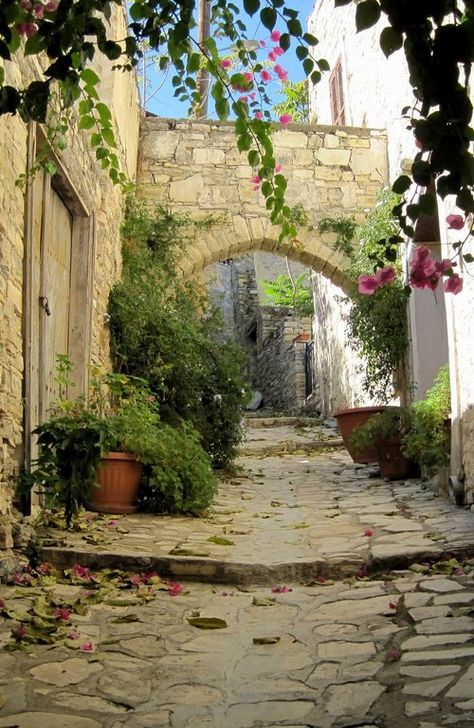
pixel 393 651
pixel 283 517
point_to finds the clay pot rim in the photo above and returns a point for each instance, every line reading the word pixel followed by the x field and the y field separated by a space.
pixel 119 456
pixel 374 408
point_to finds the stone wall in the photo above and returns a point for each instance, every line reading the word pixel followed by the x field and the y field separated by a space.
pixel 281 360
pixel 338 368
pixel 195 167
pixel 101 204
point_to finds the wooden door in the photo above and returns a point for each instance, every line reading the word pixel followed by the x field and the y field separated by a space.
pixel 55 293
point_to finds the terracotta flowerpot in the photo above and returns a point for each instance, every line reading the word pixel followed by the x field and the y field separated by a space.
pixel 348 421
pixel 392 462
pixel 118 479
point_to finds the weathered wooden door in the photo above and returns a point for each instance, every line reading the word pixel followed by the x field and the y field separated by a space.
pixel 55 293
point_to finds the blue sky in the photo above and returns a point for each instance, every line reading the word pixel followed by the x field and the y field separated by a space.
pixel 163 102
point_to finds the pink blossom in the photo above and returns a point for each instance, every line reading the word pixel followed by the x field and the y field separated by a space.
pixel 362 573
pixel 386 275
pixel 265 76
pixel 281 589
pixel 453 284
pixel 87 647
pixel 243 99
pixel 256 179
pixel 26 4
pixel 253 95
pixel 281 73
pixel 277 168
pixel 175 589
pixel 455 222
pixel 459 571
pixel 28 29
pixel 272 56
pixel 320 580
pixel 286 119
pixel 368 532
pixel 275 36
pixel 424 271
pixel 262 44
pixel 38 10
pixel 445 265
pixel 226 63
pixel 278 51
pixel 21 579
pixel 62 614
pixel 258 115
pixel 73 635
pixel 368 285
pixel 52 6
pixel 81 572
pixel 44 568
pixel 248 76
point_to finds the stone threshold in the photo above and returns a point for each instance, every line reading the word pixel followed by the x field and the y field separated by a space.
pixel 242 573
pixel 255 421
pixel 291 446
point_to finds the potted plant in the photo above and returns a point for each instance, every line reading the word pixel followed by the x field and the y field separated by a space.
pixel 377 324
pixel 386 433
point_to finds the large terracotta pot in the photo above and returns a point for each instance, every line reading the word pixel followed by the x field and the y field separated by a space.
pixel 118 479
pixel 351 419
pixel 392 462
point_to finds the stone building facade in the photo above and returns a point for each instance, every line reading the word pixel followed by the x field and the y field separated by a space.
pixel 59 256
pixel 371 91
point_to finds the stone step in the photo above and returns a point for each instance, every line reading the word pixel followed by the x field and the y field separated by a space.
pixel 295 421
pixel 289 447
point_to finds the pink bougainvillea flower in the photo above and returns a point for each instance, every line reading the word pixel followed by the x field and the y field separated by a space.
pixel 368 532
pixel 455 222
pixel 286 119
pixel 368 285
pixel 26 4
pixel 175 589
pixel 392 655
pixel 277 168
pixel 253 96
pixel 453 284
pixel 28 29
pixel 38 10
pixel 21 579
pixel 81 572
pixel 386 275
pixel 226 63
pixel 278 51
pixel 258 115
pixel 262 43
pixel 248 76
pixel 73 634
pixel 62 614
pixel 281 589
pixel 275 36
pixel 52 6
pixel 244 99
pixel 445 265
pixel 43 568
pixel 272 56
pixel 19 633
pixel 265 76
pixel 280 72
pixel 459 571
pixel 256 179
pixel 87 647
pixel 320 580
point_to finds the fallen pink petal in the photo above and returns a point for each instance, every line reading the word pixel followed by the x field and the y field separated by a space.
pixel 62 614
pixel 281 589
pixel 368 532
pixel 73 635
pixel 87 647
pixel 175 589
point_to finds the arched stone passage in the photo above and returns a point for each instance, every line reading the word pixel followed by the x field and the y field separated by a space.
pixel 195 167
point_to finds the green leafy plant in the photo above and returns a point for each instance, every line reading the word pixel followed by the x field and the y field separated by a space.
pixel 395 422
pixel 295 101
pixel 158 334
pixel 428 440
pixel 291 292
pixel 378 324
pixel 345 229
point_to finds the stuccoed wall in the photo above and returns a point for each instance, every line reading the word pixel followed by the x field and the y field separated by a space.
pixel 102 200
pixel 338 368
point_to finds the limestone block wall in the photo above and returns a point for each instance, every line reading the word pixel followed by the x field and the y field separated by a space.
pixel 281 363
pixel 101 201
pixel 195 167
pixel 338 368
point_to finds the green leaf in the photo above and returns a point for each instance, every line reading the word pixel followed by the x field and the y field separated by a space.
pixel 222 108
pixel 390 41
pixel 109 137
pixel 301 52
pixel 310 39
pixel 294 27
pixel 268 16
pixel 90 77
pixel 427 204
pixel 308 65
pixel 194 63
pixel 401 184
pixel 104 112
pixel 285 41
pixel 86 122
pixel 254 158
pixel 251 6
pixel 367 14
pixel 207 622
pixel 264 601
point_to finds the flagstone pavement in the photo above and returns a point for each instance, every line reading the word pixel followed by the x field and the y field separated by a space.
pixel 294 648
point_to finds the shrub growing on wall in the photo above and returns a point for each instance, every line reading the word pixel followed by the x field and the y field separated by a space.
pixel 164 330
